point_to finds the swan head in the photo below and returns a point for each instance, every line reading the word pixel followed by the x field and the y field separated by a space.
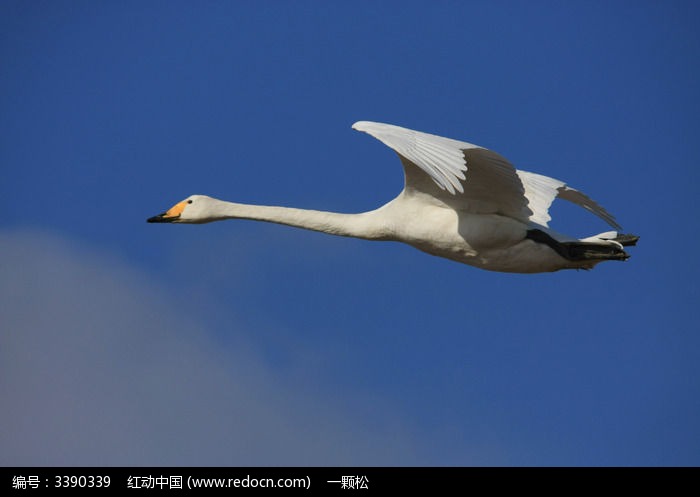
pixel 195 209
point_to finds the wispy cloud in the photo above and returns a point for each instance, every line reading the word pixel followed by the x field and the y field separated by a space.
pixel 99 367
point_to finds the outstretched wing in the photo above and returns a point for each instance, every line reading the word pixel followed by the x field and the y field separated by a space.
pixel 474 179
pixel 463 175
pixel 542 190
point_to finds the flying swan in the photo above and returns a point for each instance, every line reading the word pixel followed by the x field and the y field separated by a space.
pixel 460 201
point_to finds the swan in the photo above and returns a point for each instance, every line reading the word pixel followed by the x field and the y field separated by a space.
pixel 460 201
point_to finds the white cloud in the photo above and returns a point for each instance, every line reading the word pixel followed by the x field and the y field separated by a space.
pixel 99 367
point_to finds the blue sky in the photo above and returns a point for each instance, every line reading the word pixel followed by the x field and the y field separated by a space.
pixel 243 343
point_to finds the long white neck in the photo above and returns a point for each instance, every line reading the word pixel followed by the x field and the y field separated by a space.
pixel 365 225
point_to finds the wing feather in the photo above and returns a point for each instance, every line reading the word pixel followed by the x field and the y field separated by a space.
pixel 475 179
pixel 441 158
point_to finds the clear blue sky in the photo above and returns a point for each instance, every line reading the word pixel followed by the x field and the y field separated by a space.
pixel 242 343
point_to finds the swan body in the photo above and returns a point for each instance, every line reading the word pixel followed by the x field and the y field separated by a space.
pixel 460 201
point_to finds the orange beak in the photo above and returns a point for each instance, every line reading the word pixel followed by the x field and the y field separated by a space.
pixel 170 215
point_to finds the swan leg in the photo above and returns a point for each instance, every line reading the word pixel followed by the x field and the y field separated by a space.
pixel 626 240
pixel 586 251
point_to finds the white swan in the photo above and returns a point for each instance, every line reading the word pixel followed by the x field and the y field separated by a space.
pixel 460 201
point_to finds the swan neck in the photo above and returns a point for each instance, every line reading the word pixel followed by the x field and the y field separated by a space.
pixel 363 225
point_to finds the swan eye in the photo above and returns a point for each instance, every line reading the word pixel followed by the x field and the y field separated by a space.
pixel 189 201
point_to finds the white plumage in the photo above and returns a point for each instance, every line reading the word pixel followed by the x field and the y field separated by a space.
pixel 460 201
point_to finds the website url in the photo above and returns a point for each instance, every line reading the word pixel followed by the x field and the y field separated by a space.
pixel 248 482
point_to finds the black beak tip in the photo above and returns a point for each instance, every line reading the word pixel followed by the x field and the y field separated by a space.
pixel 156 219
